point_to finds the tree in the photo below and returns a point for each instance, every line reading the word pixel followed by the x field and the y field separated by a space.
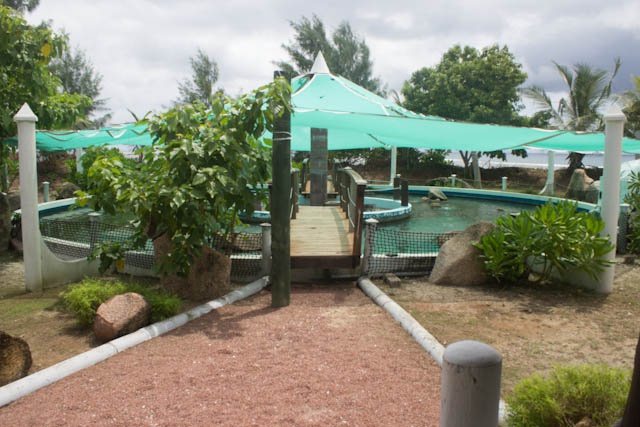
pixel 200 86
pixel 200 173
pixel 588 89
pixel 469 85
pixel 631 108
pixel 346 54
pixel 78 76
pixel 25 53
pixel 21 5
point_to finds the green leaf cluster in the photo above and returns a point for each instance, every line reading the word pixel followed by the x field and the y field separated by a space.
pixel 552 238
pixel 84 298
pixel 633 199
pixel 569 395
pixel 207 164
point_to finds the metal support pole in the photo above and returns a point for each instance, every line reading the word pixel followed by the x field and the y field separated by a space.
pixel 94 230
pixel 26 122
pixel 477 179
pixel 550 186
pixel 610 191
pixel 280 210
pixel 470 395
pixel 394 164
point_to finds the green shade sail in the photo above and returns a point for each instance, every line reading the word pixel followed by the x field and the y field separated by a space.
pixel 356 118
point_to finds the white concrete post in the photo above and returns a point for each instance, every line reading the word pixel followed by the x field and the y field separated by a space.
pixel 266 249
pixel 610 190
pixel 394 164
pixel 504 183
pixel 470 395
pixel 32 255
pixel 549 186
pixel 453 179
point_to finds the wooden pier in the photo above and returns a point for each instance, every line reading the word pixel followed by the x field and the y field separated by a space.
pixel 320 238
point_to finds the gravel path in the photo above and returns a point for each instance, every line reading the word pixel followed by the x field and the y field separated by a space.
pixel 330 358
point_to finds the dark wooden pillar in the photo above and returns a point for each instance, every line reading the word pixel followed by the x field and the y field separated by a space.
pixel 280 205
pixel 319 160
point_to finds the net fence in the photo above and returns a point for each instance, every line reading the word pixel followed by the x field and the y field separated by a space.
pixel 397 251
pixel 75 239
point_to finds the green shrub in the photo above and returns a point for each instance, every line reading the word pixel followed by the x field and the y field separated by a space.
pixel 568 395
pixel 84 298
pixel 552 237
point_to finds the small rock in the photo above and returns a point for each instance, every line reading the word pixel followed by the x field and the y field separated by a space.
pixel 67 191
pixel 15 358
pixel 392 280
pixel 121 315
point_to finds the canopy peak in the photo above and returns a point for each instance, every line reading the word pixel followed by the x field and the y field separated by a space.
pixel 320 65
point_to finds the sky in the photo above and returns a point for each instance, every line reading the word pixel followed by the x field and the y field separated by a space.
pixel 142 47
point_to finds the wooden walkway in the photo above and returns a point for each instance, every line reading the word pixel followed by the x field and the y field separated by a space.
pixel 320 238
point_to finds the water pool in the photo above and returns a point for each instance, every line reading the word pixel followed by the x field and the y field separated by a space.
pixel 456 213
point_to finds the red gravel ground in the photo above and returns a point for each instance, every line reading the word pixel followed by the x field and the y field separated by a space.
pixel 330 358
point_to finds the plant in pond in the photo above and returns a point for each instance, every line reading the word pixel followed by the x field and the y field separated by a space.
pixel 570 394
pixel 204 167
pixel 550 238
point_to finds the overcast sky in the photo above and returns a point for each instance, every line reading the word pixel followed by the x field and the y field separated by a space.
pixel 142 47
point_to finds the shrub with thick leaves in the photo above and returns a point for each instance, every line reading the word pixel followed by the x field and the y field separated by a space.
pixel 553 237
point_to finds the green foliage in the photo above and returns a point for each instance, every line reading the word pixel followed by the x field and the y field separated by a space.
pixel 469 85
pixel 633 199
pixel 346 54
pixel 84 298
pixel 200 87
pixel 568 395
pixel 198 175
pixel 552 237
pixel 631 102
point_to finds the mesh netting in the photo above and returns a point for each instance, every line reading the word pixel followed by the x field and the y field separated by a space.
pixel 396 251
pixel 73 239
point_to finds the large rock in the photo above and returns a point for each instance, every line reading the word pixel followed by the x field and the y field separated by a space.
pixel 15 358
pixel 436 194
pixel 578 185
pixel 209 277
pixel 593 193
pixel 121 315
pixel 458 262
pixel 5 223
pixel 67 191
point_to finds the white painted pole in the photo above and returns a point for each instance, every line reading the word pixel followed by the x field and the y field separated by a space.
pixel 470 395
pixel 504 183
pixel 610 189
pixel 394 164
pixel 477 179
pixel 79 152
pixel 26 122
pixel 549 186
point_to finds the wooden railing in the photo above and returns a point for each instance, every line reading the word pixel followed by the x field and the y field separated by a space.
pixel 350 187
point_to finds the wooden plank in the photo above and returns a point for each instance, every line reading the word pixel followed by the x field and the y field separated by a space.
pixel 320 231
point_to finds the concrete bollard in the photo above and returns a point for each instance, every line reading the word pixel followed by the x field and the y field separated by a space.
pixel 470 395
pixel 453 179
pixel 94 232
pixel 45 191
pixel 504 183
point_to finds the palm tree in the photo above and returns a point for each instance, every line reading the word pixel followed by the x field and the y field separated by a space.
pixel 631 107
pixel 589 90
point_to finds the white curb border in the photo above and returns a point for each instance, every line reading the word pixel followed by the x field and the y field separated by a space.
pixel 37 380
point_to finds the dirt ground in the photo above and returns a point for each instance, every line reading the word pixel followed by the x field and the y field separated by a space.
pixel 533 328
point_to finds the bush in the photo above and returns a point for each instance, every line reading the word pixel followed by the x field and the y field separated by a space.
pixel 84 298
pixel 568 395
pixel 544 241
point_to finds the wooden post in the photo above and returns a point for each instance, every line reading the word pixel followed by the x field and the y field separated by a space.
pixel 319 158
pixel 404 192
pixel 280 210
